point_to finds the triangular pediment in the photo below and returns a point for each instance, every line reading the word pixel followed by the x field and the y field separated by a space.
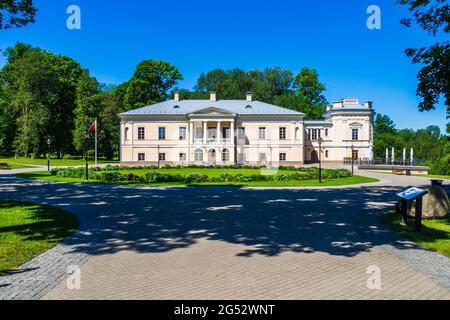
pixel 212 111
pixel 355 124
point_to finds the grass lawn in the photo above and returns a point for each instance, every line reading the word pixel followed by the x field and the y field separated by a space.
pixel 12 165
pixel 435 176
pixel 435 233
pixel 53 162
pixel 294 183
pixel 27 230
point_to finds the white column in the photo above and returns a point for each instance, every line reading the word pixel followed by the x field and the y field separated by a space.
pixel 191 132
pixel 218 133
pixel 122 134
pixel 205 129
pixel 232 133
pixel 293 133
pixel 132 133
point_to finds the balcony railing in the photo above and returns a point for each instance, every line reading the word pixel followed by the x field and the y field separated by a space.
pixel 212 141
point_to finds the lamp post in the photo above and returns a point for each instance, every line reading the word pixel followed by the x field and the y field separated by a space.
pixel 353 158
pixel 48 155
pixel 320 159
pixel 86 137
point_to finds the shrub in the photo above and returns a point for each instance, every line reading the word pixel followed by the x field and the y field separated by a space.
pixel 70 157
pixel 441 166
pixel 225 177
pixel 196 178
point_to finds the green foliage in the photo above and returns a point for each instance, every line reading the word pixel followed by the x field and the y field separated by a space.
pixel 87 108
pixel 113 174
pixel 428 143
pixel 16 13
pixel 442 165
pixel 308 87
pixel 196 178
pixel 150 83
pixel 271 85
pixel 383 124
pixel 42 89
pixel 434 77
pixel 300 104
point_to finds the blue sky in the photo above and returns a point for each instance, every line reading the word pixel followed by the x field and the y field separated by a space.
pixel 199 35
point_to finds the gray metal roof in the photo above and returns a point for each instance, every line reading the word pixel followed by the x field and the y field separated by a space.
pixel 192 106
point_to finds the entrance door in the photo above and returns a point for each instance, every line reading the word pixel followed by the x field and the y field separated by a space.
pixel 314 157
pixel 212 156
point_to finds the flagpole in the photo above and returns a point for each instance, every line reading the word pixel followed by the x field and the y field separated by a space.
pixel 96 141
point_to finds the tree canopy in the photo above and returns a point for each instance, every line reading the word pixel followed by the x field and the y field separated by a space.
pixel 433 16
pixel 150 83
pixel 16 13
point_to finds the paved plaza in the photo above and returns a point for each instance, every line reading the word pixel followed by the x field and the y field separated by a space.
pixel 227 243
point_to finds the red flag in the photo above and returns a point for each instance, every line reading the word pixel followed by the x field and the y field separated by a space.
pixel 93 127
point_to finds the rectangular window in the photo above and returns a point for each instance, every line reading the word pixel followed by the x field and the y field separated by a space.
pixel 355 134
pixel 198 133
pixel 182 133
pixel 283 133
pixel 262 133
pixel 326 132
pixel 283 157
pixel 262 158
pixel 241 133
pixel 355 155
pixel 314 134
pixel 141 156
pixel 198 155
pixel 162 157
pixel 162 133
pixel 309 134
pixel 183 157
pixel 141 133
pixel 326 153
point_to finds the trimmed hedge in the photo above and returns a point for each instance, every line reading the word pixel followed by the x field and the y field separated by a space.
pixel 112 174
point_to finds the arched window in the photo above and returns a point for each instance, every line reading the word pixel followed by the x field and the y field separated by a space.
pixel 126 134
pixel 225 155
pixel 198 155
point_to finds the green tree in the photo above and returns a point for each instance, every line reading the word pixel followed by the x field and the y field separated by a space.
pixel 150 83
pixel 108 124
pixel 383 124
pixel 434 77
pixel 28 74
pixel 7 120
pixel 52 87
pixel 308 86
pixel 300 104
pixel 234 83
pixel 16 13
pixel 88 106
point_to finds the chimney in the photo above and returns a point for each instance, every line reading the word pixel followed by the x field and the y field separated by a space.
pixel 176 96
pixel 213 96
pixel 249 96
pixel 368 104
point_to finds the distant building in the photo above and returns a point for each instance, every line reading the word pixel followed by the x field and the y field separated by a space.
pixel 247 132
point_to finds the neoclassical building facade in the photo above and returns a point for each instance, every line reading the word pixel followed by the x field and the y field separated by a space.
pixel 246 132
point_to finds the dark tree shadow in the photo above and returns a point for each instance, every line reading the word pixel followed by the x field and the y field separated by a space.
pixel 343 222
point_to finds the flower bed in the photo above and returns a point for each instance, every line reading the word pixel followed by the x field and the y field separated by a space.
pixel 113 174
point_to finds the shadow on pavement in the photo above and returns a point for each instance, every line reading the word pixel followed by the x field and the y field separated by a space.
pixel 343 222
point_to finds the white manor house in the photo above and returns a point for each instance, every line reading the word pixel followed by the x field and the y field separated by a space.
pixel 246 132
